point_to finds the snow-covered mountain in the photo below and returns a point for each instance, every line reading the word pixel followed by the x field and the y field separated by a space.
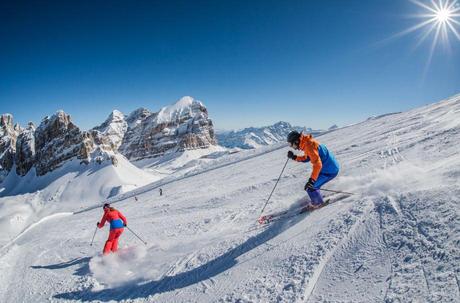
pixel 394 240
pixel 142 134
pixel 113 129
pixel 254 137
pixel 53 143
pixel 182 126
pixel 163 142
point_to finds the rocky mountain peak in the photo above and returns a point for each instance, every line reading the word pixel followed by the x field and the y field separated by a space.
pixel 25 150
pixel 141 134
pixel 137 116
pixel 6 121
pixel 112 131
pixel 8 136
pixel 57 139
pixel 180 126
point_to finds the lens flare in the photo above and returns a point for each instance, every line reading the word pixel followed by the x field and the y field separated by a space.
pixel 443 15
pixel 439 21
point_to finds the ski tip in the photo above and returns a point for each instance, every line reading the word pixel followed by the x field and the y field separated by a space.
pixel 264 219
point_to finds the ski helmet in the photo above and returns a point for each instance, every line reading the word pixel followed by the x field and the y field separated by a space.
pixel 293 137
pixel 106 205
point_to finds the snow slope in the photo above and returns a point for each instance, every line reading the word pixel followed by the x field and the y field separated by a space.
pixel 72 187
pixel 179 163
pixel 396 240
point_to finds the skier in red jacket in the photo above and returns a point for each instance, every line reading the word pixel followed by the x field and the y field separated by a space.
pixel 117 223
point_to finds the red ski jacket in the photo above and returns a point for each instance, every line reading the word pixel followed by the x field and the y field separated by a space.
pixel 115 218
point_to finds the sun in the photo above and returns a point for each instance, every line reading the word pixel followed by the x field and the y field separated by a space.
pixel 443 15
pixel 439 20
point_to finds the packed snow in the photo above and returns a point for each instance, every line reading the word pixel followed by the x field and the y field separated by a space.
pixel 395 240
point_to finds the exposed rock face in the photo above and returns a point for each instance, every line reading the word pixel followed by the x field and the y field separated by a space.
pixel 8 136
pixel 184 125
pixel 57 139
pixel 25 150
pixel 112 131
pixel 143 134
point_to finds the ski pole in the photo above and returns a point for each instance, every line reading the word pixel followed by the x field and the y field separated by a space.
pixel 338 192
pixel 275 185
pixel 136 235
pixel 93 237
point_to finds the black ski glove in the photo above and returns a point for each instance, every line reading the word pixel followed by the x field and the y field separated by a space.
pixel 310 185
pixel 97 224
pixel 291 155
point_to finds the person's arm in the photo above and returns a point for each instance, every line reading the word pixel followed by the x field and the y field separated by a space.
pixel 303 158
pixel 123 218
pixel 104 218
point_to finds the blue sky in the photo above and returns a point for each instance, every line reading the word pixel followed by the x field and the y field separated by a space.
pixel 252 63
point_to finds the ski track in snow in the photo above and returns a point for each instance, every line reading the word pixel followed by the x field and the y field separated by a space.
pixel 397 241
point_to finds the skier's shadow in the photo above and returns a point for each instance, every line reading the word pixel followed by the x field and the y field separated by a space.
pixel 81 271
pixel 193 276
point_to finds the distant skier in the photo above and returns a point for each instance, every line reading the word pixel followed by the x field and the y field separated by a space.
pixel 117 223
pixel 161 192
pixel 325 166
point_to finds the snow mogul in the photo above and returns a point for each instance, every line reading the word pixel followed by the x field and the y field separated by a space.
pixel 325 166
pixel 117 223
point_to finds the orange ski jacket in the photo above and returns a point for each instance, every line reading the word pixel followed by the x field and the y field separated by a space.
pixel 310 148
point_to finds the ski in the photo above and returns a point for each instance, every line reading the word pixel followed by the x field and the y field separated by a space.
pixel 289 213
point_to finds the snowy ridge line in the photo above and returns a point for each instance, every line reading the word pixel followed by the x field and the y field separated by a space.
pixel 319 270
pixel 33 225
pixel 158 184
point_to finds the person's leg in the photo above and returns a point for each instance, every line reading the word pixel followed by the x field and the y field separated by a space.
pixel 109 243
pixel 315 195
pixel 323 179
pixel 118 233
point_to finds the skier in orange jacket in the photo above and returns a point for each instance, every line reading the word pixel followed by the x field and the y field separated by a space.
pixel 117 223
pixel 325 166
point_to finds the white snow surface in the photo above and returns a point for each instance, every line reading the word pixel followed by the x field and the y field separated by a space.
pixel 178 109
pixel 180 163
pixel 396 240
